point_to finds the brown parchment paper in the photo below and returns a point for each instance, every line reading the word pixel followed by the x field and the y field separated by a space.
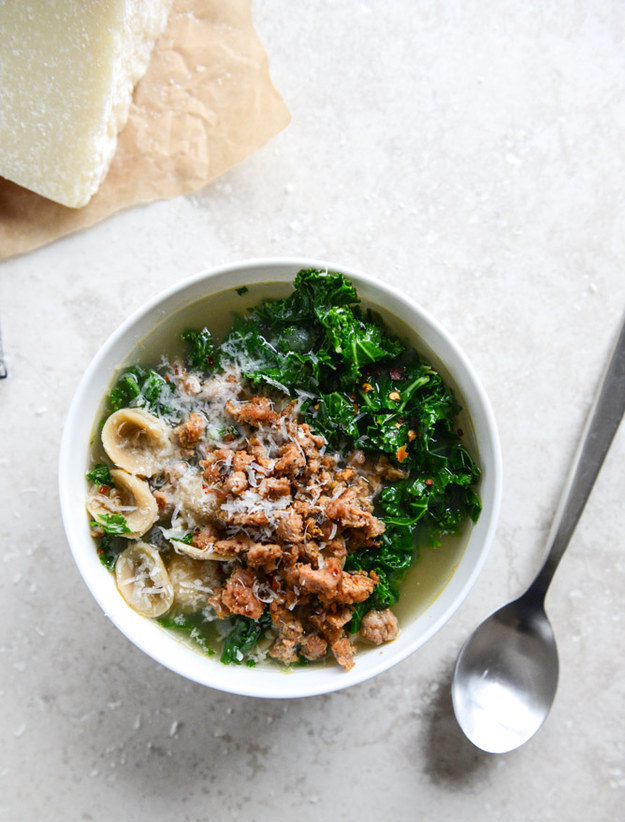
pixel 205 103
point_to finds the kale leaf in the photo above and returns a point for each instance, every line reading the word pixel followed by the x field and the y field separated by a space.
pixel 109 548
pixel 141 388
pixel 200 348
pixel 114 524
pixel 243 638
pixel 276 355
pixel 336 417
pixel 100 474
pixel 358 343
pixel 314 294
pixel 314 340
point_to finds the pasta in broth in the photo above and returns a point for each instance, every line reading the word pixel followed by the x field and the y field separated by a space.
pixel 269 495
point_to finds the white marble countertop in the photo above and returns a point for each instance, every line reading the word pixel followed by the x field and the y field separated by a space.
pixel 471 154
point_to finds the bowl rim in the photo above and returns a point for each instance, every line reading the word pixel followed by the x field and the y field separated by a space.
pixel 247 682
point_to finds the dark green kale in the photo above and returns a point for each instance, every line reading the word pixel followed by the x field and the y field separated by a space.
pixel 271 356
pixel 356 342
pixel 141 388
pixel 194 625
pixel 100 474
pixel 243 638
pixel 109 548
pixel 200 348
pixel 114 524
pixel 242 290
pixel 336 417
pixel 315 293
pixel 313 340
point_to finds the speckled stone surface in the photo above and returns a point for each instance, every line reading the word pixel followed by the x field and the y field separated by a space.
pixel 471 154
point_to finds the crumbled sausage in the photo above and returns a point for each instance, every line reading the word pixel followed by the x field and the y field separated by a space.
pixel 236 482
pixel 357 457
pixel 355 587
pixel 205 537
pixel 264 556
pixel 286 516
pixel 314 647
pixel 238 595
pixel 290 633
pixel 291 460
pixel 284 650
pixel 255 412
pixel 324 580
pixel 379 626
pixel 232 546
pixel 348 509
pixel 330 622
pixel 290 526
pixel 336 548
pixel 343 652
pixel 216 463
pixel 190 432
pixel 164 502
pixel 274 487
pixel 241 460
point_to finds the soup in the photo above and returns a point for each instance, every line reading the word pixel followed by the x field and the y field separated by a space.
pixel 285 485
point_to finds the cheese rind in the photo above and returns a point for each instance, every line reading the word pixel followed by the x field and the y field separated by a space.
pixel 67 72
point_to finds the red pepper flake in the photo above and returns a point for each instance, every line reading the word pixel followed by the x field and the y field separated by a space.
pixel 166 377
pixel 402 453
pixel 429 482
pixel 104 489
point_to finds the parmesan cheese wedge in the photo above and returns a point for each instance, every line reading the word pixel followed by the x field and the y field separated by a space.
pixel 67 72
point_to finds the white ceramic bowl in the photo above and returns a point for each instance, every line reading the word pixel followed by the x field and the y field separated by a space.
pixel 269 681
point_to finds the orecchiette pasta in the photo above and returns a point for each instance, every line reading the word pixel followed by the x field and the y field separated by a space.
pixel 204 554
pixel 143 581
pixel 193 581
pixel 189 496
pixel 136 441
pixel 131 497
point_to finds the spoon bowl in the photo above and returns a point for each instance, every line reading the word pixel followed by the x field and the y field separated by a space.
pixel 506 677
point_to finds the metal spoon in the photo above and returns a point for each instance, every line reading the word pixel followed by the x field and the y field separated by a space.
pixel 507 672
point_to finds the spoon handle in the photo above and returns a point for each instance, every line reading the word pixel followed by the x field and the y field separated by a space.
pixel 601 426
